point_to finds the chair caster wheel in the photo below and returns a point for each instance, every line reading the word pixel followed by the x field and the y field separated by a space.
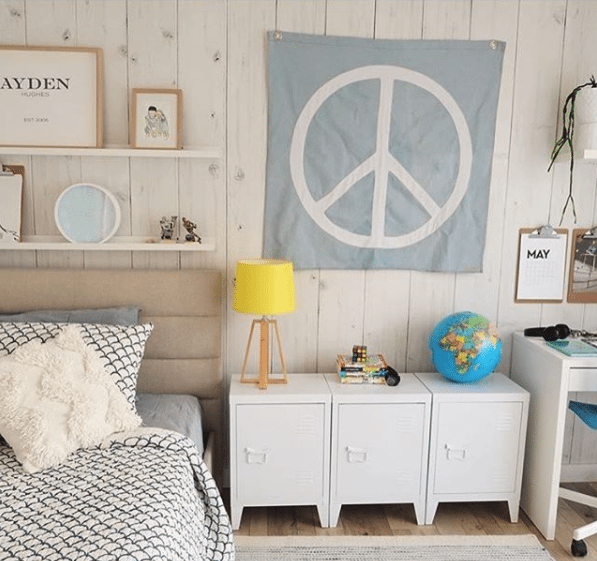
pixel 578 548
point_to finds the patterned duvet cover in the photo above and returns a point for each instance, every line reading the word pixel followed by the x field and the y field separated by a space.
pixel 140 495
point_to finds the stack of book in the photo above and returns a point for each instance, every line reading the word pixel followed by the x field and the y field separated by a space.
pixel 371 371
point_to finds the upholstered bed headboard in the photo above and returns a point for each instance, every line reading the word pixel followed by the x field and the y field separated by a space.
pixel 183 354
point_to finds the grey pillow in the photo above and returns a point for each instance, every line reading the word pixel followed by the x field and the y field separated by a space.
pixel 178 412
pixel 106 316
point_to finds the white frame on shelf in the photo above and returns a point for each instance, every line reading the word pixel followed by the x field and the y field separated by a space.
pixel 117 243
pixel 114 151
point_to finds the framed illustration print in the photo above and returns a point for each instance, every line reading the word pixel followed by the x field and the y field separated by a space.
pixel 582 285
pixel 156 119
pixel 51 96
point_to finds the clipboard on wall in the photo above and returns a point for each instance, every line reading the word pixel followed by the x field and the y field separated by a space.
pixel 541 266
pixel 11 202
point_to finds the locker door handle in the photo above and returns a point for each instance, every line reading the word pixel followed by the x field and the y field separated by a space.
pixel 453 453
pixel 256 456
pixel 356 455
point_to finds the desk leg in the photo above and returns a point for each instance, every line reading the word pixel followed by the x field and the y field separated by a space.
pixel 543 376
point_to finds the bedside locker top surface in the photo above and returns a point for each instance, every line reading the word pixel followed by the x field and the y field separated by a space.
pixel 301 388
pixel 489 387
pixel 409 389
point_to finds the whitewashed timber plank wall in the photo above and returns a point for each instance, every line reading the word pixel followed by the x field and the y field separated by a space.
pixel 215 51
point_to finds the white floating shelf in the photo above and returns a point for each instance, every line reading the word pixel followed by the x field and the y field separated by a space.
pixel 207 152
pixel 117 243
pixel 590 155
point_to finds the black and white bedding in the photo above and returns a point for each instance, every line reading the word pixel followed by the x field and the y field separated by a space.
pixel 140 495
pixel 80 478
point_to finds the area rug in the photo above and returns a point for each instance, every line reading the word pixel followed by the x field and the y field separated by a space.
pixel 390 548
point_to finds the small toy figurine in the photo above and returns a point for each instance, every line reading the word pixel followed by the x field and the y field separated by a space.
pixel 189 226
pixel 168 226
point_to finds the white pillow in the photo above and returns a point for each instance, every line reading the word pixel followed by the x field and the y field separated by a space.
pixel 56 397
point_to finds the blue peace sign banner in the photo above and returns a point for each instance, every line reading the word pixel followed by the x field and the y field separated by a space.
pixel 379 151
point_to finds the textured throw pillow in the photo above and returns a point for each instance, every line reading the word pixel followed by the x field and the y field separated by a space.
pixel 121 347
pixel 56 397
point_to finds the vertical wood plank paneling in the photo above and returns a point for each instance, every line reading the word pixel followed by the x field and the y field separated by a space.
pixel 399 20
pixel 153 63
pixel 479 291
pixel 342 293
pixel 432 294
pixel 12 22
pixel 52 23
pixel 307 16
pixel 449 19
pixel 246 148
pixel 538 61
pixel 299 330
pixel 354 19
pixel 202 79
pixel 104 25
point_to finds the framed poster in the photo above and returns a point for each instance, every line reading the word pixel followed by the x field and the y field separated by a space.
pixel 156 118
pixel 582 285
pixel 51 96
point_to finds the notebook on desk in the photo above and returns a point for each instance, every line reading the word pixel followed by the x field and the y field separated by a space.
pixel 575 347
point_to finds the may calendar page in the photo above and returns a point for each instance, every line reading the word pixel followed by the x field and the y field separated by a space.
pixel 541 267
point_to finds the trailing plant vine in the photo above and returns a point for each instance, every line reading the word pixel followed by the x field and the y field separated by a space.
pixel 567 138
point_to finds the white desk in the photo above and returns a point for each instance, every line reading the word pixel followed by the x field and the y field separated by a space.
pixel 548 375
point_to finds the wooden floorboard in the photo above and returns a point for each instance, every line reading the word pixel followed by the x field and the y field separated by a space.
pixel 477 518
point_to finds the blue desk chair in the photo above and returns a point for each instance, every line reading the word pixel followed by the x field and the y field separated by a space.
pixel 587 412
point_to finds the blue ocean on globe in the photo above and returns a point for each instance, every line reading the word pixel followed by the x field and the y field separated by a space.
pixel 465 347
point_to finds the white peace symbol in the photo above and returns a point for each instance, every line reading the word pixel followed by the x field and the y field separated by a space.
pixel 382 162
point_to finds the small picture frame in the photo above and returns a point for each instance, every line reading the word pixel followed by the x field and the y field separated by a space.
pixel 582 285
pixel 156 118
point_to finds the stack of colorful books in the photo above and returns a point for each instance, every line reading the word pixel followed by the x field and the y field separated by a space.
pixel 370 371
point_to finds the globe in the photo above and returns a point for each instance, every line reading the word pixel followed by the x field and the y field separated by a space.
pixel 465 347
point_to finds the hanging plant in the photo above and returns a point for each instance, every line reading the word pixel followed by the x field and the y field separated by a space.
pixel 567 138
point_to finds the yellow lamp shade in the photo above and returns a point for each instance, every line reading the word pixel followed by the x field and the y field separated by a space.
pixel 264 287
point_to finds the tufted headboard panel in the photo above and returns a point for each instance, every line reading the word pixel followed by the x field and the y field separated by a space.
pixel 183 354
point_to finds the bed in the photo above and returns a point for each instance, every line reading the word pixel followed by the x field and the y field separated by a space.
pixel 145 489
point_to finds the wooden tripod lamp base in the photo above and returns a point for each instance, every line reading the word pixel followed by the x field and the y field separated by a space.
pixel 265 325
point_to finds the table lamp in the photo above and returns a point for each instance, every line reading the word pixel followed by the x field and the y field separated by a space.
pixel 264 287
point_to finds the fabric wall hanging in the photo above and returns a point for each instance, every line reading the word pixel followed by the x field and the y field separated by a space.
pixel 379 151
